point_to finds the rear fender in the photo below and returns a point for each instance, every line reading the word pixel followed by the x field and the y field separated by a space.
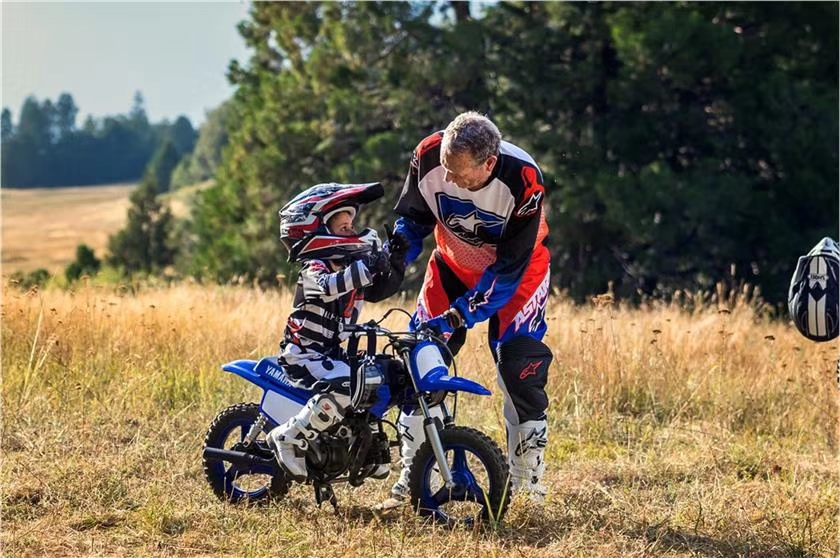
pixel 280 401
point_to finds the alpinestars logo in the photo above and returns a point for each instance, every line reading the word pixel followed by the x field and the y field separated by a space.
pixel 530 370
pixel 480 299
pixel 531 205
pixel 536 439
pixel 469 223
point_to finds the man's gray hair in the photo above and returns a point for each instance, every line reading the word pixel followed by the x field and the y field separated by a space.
pixel 472 133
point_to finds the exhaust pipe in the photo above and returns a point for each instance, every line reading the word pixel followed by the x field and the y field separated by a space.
pixel 237 457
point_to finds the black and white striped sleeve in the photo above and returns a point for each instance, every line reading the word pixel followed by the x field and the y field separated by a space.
pixel 319 282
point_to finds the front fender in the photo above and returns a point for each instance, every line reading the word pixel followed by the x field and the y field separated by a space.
pixel 440 381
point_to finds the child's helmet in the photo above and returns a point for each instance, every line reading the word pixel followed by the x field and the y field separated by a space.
pixel 813 298
pixel 303 222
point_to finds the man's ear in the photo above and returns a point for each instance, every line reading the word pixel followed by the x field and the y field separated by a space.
pixel 490 162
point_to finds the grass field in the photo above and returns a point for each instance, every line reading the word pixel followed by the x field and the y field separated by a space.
pixel 43 226
pixel 672 433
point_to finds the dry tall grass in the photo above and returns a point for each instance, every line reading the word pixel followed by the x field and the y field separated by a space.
pixel 673 433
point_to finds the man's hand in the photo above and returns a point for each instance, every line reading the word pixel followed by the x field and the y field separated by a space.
pixel 447 322
pixel 454 318
pixel 377 263
pixel 398 244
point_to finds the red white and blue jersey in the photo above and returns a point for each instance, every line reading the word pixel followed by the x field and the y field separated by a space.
pixel 487 237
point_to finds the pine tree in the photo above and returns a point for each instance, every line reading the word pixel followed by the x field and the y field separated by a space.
pixel 144 244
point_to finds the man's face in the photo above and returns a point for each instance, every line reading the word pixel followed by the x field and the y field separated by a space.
pixel 341 224
pixel 463 171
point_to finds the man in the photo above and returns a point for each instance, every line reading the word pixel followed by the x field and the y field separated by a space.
pixel 483 199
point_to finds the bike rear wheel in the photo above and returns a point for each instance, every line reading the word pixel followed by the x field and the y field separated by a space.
pixel 242 483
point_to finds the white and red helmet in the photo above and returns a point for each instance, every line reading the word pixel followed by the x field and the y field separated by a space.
pixel 303 222
pixel 813 298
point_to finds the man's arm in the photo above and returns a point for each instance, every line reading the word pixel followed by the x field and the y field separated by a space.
pixel 416 220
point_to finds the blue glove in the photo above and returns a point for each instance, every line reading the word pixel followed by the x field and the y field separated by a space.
pixel 446 323
pixel 439 326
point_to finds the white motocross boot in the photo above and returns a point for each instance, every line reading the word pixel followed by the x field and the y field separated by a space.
pixel 291 440
pixel 526 454
pixel 412 435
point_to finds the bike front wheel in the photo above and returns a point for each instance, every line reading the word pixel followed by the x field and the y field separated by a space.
pixel 479 474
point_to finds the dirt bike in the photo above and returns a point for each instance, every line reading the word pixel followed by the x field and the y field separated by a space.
pixel 458 474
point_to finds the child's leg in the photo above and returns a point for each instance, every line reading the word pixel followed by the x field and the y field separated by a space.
pixel 290 441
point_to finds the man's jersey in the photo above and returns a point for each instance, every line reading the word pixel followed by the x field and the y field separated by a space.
pixel 492 232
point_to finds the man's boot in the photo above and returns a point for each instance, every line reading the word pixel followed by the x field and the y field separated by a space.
pixel 526 454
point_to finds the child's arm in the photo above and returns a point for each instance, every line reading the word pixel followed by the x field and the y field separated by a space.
pixel 322 283
pixel 387 284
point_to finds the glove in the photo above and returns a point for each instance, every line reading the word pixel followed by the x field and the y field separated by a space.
pixel 377 263
pixel 397 245
pixel 454 318
pixel 438 326
pixel 446 323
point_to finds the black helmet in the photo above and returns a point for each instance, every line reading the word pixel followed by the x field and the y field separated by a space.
pixel 303 222
pixel 813 297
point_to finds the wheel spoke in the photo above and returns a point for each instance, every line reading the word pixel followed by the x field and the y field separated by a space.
pixel 441 496
pixel 459 461
pixel 476 494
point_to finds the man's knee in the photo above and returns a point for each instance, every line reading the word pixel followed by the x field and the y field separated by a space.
pixel 523 364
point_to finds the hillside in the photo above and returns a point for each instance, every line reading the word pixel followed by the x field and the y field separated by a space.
pixel 42 227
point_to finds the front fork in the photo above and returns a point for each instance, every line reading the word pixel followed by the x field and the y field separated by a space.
pixel 432 434
pixel 430 427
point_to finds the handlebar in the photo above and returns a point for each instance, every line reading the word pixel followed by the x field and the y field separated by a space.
pixel 372 326
pixel 423 332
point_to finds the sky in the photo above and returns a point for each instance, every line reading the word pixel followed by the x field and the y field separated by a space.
pixel 175 54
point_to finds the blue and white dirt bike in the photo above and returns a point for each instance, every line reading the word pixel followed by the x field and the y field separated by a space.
pixel 457 474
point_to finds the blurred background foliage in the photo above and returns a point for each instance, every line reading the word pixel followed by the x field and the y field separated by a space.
pixel 682 143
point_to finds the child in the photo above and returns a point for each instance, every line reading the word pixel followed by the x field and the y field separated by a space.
pixel 340 269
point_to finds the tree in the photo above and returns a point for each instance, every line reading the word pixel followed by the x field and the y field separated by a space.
pixel 144 245
pixel 34 124
pixel 679 138
pixel 86 263
pixel 202 163
pixel 6 126
pixel 162 165
pixel 66 112
pixel 137 115
pixel 182 135
pixel 333 92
